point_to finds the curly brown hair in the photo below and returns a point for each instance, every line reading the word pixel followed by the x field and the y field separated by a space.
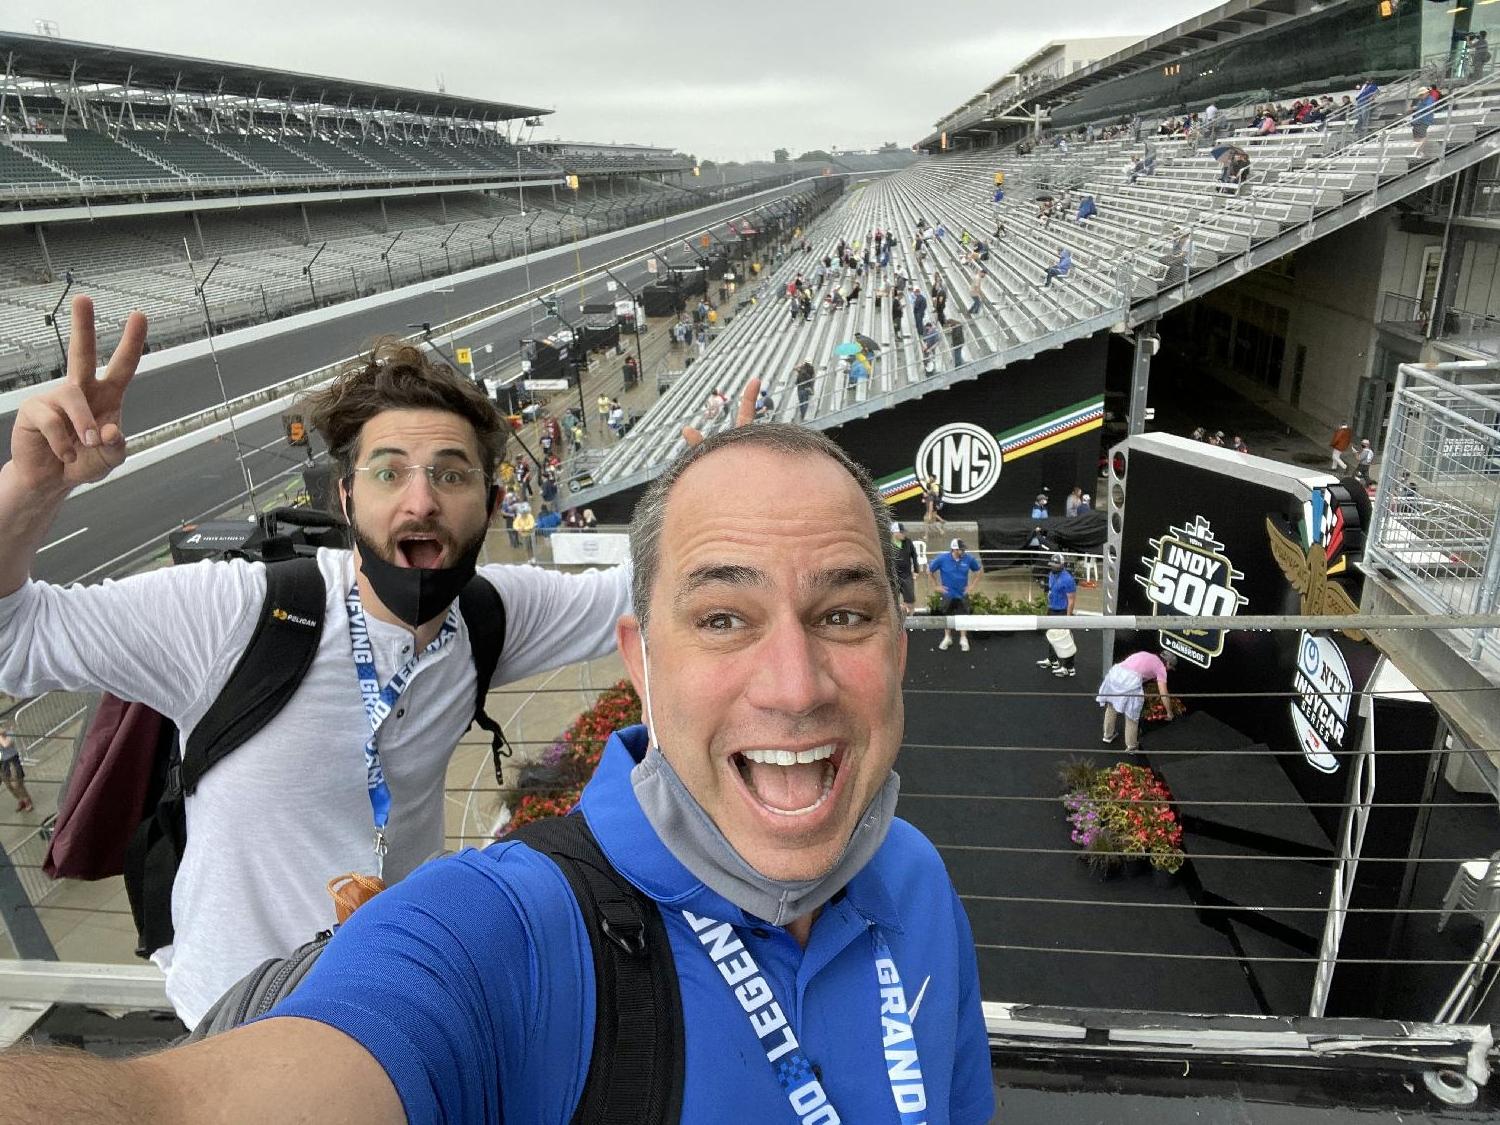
pixel 396 375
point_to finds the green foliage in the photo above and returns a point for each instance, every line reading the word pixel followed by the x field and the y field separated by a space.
pixel 780 156
pixel 815 154
pixel 979 602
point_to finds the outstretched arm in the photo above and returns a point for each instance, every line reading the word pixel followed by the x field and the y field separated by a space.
pixel 66 435
pixel 277 1070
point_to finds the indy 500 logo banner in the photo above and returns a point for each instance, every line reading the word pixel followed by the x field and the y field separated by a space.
pixel 1189 575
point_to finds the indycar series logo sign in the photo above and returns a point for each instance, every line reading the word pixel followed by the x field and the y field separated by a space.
pixel 1320 709
pixel 1188 574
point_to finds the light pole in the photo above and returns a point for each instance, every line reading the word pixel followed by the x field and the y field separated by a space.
pixel 307 273
pixel 385 257
pixel 640 360
pixel 554 309
pixel 213 351
pixel 443 246
pixel 52 318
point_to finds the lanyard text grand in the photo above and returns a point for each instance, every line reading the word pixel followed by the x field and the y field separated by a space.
pixel 380 702
pixel 794 1073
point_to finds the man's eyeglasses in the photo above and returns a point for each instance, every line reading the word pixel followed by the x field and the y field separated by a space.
pixel 390 477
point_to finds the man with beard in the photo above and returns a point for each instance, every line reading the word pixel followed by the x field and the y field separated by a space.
pixel 415 447
pixel 823 958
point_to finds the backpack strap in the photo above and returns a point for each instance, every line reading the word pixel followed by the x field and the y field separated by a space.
pixel 268 674
pixel 638 1062
pixel 483 611
pixel 270 670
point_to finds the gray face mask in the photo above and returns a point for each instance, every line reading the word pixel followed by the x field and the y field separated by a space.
pixel 693 838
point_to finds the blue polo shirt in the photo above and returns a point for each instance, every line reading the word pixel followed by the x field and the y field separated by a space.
pixel 1059 585
pixel 472 982
pixel 953 573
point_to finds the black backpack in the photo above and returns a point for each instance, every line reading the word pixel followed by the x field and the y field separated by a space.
pixel 637 1062
pixel 268 674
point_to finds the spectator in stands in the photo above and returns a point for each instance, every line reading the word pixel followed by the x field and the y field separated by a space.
pixel 573 519
pixel 1234 164
pixel 1364 102
pixel 1039 506
pixel 590 523
pixel 939 301
pixel 1480 56
pixel 918 309
pixel 1421 118
pixel 859 370
pixel 806 375
pixel 1087 209
pixel 976 292
pixel 931 337
pixel 764 404
pixel 956 340
pixel 1238 445
pixel 617 418
pixel 1060 268
pixel 898 310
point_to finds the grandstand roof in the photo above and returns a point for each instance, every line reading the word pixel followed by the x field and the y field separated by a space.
pixel 63 60
pixel 1220 23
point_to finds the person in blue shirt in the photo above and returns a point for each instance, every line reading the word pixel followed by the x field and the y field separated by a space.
pixel 1364 102
pixel 1062 593
pixel 1421 118
pixel 756 806
pixel 548 522
pixel 1039 506
pixel 1060 268
pixel 955 574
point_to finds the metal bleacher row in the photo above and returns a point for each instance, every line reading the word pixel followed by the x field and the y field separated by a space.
pixel 1122 256
pixel 143 263
pixel 83 161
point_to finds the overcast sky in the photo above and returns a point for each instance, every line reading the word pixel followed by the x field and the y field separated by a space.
pixel 723 80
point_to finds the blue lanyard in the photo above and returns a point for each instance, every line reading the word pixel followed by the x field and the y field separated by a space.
pixel 380 702
pixel 794 1073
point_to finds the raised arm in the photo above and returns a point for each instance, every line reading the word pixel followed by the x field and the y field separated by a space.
pixel 277 1071
pixel 64 436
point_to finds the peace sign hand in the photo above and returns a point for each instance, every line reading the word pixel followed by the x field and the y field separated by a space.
pixel 70 433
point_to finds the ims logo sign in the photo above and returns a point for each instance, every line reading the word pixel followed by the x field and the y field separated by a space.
pixel 964 458
pixel 1188 574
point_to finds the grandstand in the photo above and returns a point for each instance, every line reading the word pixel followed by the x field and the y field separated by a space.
pixel 117 166
pixel 1128 268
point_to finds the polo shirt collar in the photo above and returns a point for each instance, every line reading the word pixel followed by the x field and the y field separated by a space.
pixel 630 842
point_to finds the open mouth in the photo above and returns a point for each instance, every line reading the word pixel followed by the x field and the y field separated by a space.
pixel 419 552
pixel 790 782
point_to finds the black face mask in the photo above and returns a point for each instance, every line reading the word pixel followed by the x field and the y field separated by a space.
pixel 415 595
